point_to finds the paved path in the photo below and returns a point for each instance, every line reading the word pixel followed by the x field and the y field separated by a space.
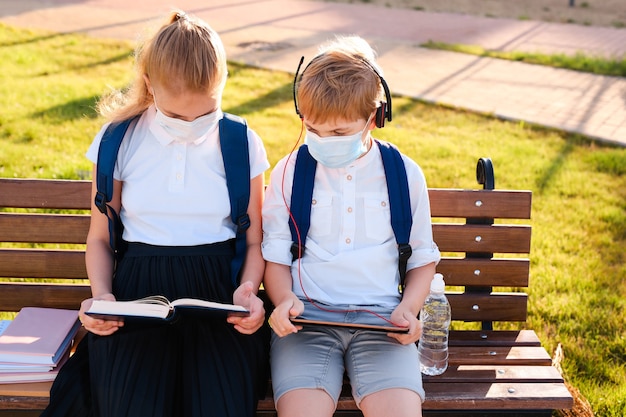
pixel 275 33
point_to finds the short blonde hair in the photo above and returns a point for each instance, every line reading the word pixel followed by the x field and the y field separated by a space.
pixel 186 54
pixel 342 82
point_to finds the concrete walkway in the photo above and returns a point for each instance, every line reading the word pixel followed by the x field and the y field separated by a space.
pixel 275 33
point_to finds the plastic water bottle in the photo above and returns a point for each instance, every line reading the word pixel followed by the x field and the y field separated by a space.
pixel 435 317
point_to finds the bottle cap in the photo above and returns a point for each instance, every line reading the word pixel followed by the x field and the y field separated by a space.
pixel 437 284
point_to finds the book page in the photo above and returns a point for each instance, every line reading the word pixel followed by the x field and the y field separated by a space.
pixel 157 307
pixel 145 307
pixel 211 305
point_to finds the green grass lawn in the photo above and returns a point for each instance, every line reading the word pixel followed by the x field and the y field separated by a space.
pixel 577 62
pixel 49 84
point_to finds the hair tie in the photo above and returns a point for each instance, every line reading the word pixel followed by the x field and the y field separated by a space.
pixel 182 16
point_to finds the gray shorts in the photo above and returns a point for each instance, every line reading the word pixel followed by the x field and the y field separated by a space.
pixel 316 358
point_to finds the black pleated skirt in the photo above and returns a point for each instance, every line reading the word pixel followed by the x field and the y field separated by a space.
pixel 190 366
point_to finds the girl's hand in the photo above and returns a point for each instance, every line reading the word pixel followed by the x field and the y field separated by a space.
pixel 245 297
pixel 98 326
pixel 280 321
pixel 405 318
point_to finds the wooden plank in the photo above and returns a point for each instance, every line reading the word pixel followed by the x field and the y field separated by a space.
pixel 452 237
pixel 479 396
pixel 496 373
pixel 502 395
pixel 488 338
pixel 485 271
pixel 499 355
pixel 44 193
pixel 42 263
pixel 14 296
pixel 43 228
pixel 501 204
pixel 494 396
pixel 32 389
pixel 496 306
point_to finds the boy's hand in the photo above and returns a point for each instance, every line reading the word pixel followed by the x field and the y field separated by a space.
pixel 98 326
pixel 405 318
pixel 280 321
pixel 245 297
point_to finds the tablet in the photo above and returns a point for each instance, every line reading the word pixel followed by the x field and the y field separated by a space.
pixel 379 328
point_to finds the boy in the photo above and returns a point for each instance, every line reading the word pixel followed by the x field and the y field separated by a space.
pixel 348 271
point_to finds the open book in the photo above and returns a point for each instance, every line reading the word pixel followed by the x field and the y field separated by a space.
pixel 159 307
pixel 379 328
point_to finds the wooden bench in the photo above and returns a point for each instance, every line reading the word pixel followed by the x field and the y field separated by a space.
pixel 43 226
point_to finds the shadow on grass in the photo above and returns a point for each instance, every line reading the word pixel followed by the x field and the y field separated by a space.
pixel 555 166
pixel 268 100
pixel 32 40
pixel 72 110
pixel 109 61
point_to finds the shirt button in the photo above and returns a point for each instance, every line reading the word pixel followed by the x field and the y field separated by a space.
pixel 348 240
pixel 349 209
pixel 313 201
pixel 179 157
pixel 349 177
pixel 383 203
pixel 179 176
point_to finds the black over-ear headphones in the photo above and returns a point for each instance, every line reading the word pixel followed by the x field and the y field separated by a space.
pixel 383 111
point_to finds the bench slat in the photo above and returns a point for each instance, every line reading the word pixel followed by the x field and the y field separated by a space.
pixel 44 228
pixel 496 306
pixel 13 297
pixel 43 193
pixel 472 396
pixel 496 373
pixel 499 355
pixel 485 272
pixel 493 338
pixel 482 238
pixel 457 396
pixel 41 263
pixel 503 204
pixel 503 396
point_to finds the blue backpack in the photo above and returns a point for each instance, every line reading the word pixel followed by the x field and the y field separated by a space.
pixel 399 202
pixel 235 153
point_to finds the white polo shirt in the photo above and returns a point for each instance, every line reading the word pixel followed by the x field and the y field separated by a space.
pixel 351 255
pixel 175 194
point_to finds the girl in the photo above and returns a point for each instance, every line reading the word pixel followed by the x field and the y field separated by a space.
pixel 171 195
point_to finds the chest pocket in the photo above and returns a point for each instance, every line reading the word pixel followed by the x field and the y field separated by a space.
pixel 377 219
pixel 321 216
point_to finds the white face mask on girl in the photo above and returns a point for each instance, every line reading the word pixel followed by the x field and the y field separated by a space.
pixel 184 131
pixel 336 151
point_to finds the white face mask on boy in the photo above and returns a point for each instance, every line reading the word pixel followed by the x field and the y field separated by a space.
pixel 336 151
pixel 184 131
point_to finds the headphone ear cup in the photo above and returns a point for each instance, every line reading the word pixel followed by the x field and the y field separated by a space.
pixel 381 112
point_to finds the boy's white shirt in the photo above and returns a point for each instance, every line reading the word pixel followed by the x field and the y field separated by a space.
pixel 351 256
pixel 175 194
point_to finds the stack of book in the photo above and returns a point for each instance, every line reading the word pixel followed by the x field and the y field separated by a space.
pixel 35 345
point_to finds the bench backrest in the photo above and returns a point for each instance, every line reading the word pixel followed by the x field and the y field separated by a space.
pixel 44 223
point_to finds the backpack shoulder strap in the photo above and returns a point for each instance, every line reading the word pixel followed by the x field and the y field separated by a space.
pixel 301 200
pixel 399 203
pixel 105 165
pixel 236 157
